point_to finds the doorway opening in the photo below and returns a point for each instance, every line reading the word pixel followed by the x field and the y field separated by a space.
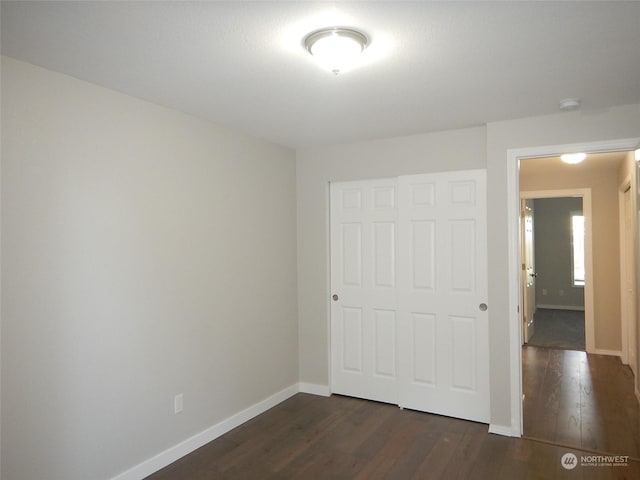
pixel 554 268
pixel 609 344
pixel 556 259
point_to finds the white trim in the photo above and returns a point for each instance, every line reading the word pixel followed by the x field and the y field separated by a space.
pixel 329 293
pixel 314 389
pixel 513 235
pixel 578 308
pixel 604 351
pixel 624 263
pixel 503 430
pixel 187 446
pixel 627 263
pixel 514 290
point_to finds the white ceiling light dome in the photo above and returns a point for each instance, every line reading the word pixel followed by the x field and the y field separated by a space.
pixel 336 48
pixel 570 104
pixel 573 158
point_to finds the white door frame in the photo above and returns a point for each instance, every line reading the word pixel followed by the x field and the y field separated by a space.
pixel 626 263
pixel 585 193
pixel 513 231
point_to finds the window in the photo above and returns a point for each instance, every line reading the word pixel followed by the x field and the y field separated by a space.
pixel 577 249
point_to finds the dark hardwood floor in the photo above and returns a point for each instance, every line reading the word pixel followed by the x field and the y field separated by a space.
pixel 579 399
pixel 312 437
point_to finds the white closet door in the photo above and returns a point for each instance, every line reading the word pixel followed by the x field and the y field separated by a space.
pixel 409 283
pixel 443 323
pixel 364 282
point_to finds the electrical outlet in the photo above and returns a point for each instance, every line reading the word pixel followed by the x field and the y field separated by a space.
pixel 561 292
pixel 178 403
pixel 544 291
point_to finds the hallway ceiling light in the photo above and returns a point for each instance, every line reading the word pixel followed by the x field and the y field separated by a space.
pixel 336 48
pixel 570 104
pixel 573 158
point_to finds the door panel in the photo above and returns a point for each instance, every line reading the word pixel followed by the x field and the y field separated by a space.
pixel 364 278
pixel 384 240
pixel 351 252
pixel 463 353
pixel 423 346
pixel 423 254
pixel 385 336
pixel 351 321
pixel 442 282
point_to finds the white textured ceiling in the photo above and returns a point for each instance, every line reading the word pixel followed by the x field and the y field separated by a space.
pixel 430 65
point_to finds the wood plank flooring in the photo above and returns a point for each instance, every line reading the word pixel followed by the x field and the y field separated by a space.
pixel 579 399
pixel 312 437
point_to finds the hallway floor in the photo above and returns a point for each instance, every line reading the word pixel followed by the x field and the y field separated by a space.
pixel 558 329
pixel 582 400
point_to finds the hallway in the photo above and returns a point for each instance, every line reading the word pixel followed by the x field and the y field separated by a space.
pixel 582 400
pixel 558 329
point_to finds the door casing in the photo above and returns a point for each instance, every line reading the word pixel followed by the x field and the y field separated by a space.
pixel 514 156
pixel 628 275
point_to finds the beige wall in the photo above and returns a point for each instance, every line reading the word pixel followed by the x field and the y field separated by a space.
pixel 629 171
pixel 145 253
pixel 602 179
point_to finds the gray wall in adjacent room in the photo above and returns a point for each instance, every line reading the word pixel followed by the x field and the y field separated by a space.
pixel 553 252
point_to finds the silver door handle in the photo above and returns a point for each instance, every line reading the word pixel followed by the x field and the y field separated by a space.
pixel 335 297
pixel 483 307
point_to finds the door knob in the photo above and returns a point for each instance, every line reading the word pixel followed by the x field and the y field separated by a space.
pixel 335 297
pixel 483 307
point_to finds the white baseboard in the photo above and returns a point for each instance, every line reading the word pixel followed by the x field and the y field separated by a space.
pixel 314 389
pixel 187 446
pixel 578 308
pixel 502 430
pixel 602 351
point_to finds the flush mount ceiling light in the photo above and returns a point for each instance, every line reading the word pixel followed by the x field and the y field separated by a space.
pixel 336 48
pixel 573 158
pixel 569 104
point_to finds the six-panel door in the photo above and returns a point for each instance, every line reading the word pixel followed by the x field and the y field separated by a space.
pixel 408 275
pixel 364 278
pixel 442 294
